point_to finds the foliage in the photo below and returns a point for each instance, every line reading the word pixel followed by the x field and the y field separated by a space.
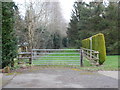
pixel 86 43
pixel 98 44
pixel 9 42
pixel 0 35
pixel 39 26
pixel 56 41
pixel 65 42
pixel 90 19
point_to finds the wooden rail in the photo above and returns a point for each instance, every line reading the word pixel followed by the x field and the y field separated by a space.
pixel 91 55
pixel 25 55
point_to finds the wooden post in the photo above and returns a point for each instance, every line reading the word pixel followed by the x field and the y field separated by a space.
pixel 30 59
pixel 18 59
pixel 81 57
pixel 97 57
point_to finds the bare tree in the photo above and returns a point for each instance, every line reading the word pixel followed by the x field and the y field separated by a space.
pixel 35 19
pixel 42 20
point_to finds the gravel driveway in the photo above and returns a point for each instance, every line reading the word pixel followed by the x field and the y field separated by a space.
pixel 62 78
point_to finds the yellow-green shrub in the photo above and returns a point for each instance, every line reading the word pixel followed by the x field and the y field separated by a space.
pixel 98 44
pixel 86 43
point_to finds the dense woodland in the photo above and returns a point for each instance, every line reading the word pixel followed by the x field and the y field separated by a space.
pixel 46 28
pixel 92 18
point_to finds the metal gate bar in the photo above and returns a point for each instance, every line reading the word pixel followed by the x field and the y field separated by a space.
pixel 54 49
pixel 66 57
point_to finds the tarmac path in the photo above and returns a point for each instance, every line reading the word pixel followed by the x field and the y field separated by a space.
pixel 63 78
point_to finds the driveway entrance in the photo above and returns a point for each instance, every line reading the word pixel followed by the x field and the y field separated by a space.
pixel 61 78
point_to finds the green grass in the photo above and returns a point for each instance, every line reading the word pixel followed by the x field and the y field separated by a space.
pixel 111 63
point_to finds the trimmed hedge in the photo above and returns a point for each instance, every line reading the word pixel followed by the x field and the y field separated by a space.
pixel 86 43
pixel 98 44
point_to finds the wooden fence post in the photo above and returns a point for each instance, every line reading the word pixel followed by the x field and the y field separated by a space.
pixel 81 57
pixel 30 59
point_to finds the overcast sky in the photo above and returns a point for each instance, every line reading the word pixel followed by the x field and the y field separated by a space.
pixel 66 5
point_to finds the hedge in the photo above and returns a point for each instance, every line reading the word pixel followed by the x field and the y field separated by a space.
pixel 86 43
pixel 98 44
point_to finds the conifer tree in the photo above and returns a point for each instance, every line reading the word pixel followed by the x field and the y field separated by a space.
pixel 9 41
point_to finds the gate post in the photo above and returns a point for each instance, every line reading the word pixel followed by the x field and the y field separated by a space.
pixel 30 59
pixel 81 57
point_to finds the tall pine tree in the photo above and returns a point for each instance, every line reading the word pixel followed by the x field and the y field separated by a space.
pixel 92 18
pixel 9 42
pixel 0 34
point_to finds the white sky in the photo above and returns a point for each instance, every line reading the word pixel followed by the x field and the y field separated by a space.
pixel 66 5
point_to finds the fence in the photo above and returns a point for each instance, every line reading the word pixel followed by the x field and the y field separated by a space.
pixel 53 57
pixel 96 42
pixel 25 55
pixel 91 55
pixel 56 57
pixel 59 56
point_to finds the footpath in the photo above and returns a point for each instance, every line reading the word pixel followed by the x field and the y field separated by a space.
pixel 113 74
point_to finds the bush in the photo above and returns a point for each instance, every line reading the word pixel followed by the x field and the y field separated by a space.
pixel 86 43
pixel 98 44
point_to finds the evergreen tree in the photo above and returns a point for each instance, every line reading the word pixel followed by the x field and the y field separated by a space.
pixel 92 18
pixel 0 35
pixel 112 30
pixel 9 42
pixel 56 41
pixel 73 27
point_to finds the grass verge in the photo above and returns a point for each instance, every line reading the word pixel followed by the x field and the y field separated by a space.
pixel 111 64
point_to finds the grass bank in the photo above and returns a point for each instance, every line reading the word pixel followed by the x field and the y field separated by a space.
pixel 111 63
